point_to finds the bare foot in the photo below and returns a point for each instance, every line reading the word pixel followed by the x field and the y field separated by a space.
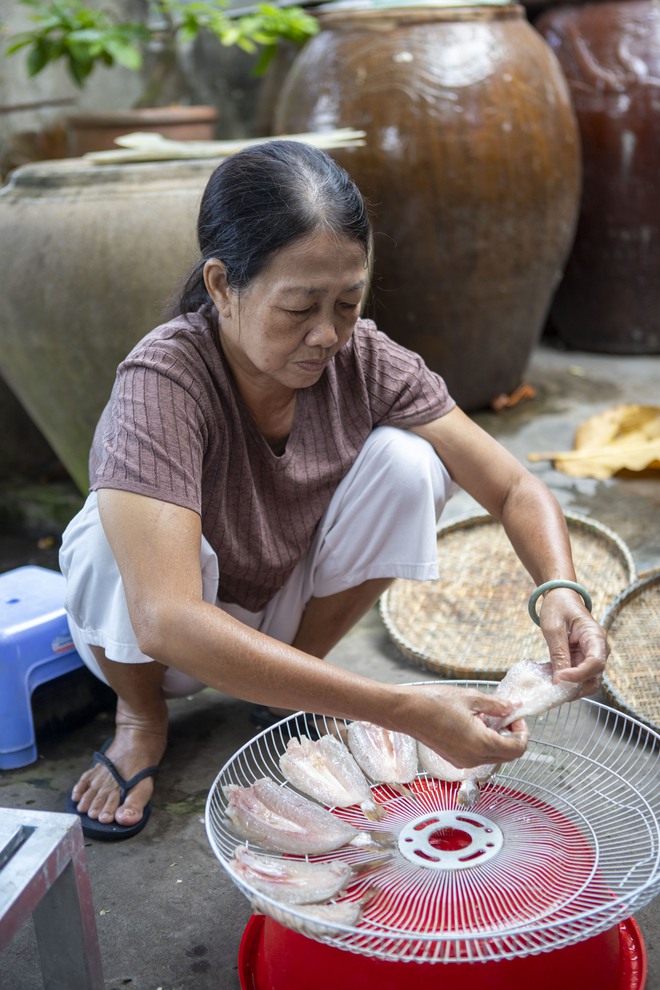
pixel 133 748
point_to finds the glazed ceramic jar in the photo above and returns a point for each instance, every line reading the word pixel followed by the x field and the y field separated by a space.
pixel 609 298
pixel 472 167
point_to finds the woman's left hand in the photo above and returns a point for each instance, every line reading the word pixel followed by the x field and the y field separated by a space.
pixel 536 528
pixel 577 643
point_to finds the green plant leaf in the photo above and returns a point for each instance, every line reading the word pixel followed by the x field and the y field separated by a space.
pixel 38 58
pixel 124 52
pixel 245 44
pixel 230 35
pixel 266 57
pixel 84 37
pixel 79 66
pixel 18 44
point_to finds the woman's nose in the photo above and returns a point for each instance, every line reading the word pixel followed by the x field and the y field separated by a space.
pixel 322 334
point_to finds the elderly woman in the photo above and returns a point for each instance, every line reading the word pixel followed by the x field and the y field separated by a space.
pixel 267 463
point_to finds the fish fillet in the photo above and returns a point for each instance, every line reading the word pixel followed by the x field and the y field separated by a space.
pixel 326 916
pixel 436 766
pixel 385 756
pixel 283 821
pixel 326 771
pixel 530 687
pixel 317 919
pixel 290 881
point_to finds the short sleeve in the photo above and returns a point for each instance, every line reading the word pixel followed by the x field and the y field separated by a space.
pixel 402 390
pixel 152 435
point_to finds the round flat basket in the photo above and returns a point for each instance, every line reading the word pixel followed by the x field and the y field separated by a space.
pixel 633 623
pixel 473 621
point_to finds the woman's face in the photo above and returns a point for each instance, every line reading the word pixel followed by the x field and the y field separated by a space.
pixel 295 315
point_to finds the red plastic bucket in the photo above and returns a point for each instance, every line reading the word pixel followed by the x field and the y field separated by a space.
pixel 272 957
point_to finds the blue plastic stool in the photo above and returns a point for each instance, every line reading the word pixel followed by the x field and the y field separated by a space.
pixel 35 647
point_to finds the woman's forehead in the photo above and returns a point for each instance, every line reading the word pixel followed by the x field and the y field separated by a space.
pixel 300 289
pixel 321 255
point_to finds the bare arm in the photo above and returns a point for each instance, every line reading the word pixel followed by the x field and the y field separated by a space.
pixel 157 545
pixel 535 525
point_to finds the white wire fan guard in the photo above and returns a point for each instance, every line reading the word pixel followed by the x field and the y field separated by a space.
pixel 576 845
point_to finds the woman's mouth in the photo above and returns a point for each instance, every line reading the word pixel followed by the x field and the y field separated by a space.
pixel 313 366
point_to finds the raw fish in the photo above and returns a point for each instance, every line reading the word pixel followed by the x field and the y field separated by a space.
pixel 326 916
pixel 290 881
pixel 385 756
pixel 435 765
pixel 326 771
pixel 283 821
pixel 529 685
pixel 313 919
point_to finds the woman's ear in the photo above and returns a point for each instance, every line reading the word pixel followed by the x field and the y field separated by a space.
pixel 215 280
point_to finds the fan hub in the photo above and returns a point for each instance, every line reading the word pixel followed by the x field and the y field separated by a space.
pixel 450 840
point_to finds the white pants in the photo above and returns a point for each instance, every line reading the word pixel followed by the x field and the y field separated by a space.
pixel 380 523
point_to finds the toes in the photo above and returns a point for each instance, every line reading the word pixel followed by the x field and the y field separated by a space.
pixel 128 815
pixel 132 809
pixel 97 795
pixel 83 785
pixel 101 804
pixel 92 781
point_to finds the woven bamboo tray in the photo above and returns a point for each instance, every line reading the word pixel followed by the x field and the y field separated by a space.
pixel 632 677
pixel 473 621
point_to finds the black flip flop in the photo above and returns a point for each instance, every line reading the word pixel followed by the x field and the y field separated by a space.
pixel 112 831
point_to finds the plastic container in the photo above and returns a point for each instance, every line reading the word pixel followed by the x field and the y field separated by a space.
pixel 272 957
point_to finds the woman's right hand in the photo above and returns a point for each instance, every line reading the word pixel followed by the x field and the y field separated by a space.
pixel 450 720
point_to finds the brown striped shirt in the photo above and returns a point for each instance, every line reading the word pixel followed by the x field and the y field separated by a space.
pixel 176 429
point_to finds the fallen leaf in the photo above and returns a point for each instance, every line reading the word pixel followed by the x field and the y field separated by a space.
pixel 520 394
pixel 622 438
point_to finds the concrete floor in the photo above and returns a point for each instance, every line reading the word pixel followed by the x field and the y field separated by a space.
pixel 167 915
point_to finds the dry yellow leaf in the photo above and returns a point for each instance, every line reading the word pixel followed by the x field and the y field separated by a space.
pixel 623 437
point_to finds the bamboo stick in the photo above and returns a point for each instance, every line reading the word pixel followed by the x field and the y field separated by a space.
pixel 145 147
pixel 587 453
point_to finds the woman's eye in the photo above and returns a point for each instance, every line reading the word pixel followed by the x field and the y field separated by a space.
pixel 301 312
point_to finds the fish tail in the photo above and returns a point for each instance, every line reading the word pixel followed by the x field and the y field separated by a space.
pixel 468 794
pixel 374 812
pixel 405 792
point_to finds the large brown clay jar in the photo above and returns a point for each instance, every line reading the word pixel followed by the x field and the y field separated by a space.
pixel 471 164
pixel 609 298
